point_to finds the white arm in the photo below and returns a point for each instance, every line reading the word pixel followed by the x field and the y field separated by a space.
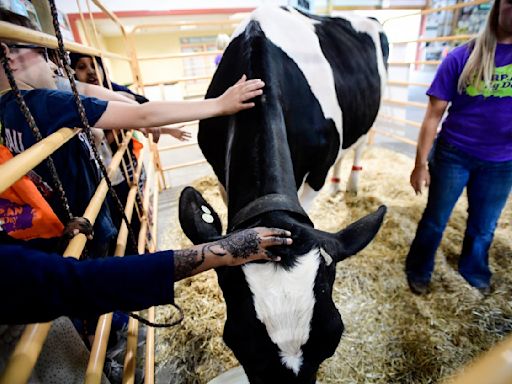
pixel 157 113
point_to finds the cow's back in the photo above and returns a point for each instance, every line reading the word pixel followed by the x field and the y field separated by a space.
pixel 322 75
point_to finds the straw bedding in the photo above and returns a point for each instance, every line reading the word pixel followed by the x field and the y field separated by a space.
pixel 391 335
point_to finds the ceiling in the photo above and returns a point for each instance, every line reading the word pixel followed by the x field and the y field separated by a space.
pixel 199 12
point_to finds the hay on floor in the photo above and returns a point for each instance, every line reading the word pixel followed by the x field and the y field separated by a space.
pixel 391 335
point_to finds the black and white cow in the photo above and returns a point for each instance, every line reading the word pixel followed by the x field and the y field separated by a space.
pixel 324 79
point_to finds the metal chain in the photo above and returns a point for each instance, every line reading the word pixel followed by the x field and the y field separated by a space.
pixel 87 129
pixel 57 184
pixel 85 122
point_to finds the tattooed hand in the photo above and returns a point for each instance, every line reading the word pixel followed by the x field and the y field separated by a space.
pixel 250 244
pixel 235 249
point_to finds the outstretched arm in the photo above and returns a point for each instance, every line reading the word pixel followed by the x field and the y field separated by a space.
pixel 38 286
pixel 102 93
pixel 158 113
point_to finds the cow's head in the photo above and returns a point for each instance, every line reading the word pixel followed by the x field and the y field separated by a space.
pixel 281 320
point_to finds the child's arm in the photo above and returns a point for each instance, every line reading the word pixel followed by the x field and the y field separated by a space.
pixel 158 113
pixel 102 93
pixel 99 92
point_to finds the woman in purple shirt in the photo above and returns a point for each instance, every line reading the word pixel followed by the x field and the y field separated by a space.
pixel 473 150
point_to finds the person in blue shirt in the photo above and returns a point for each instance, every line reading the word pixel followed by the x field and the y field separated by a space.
pixel 53 109
pixel 38 286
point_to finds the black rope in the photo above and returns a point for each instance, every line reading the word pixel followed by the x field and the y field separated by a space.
pixel 159 325
pixel 57 184
pixel 85 122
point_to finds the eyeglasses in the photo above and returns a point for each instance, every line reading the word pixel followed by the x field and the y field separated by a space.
pixel 42 50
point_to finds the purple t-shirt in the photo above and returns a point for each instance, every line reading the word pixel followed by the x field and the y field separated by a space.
pixel 479 122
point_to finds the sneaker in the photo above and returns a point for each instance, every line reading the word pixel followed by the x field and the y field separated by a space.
pixel 418 287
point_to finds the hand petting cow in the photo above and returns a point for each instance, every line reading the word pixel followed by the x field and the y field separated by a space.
pixel 324 80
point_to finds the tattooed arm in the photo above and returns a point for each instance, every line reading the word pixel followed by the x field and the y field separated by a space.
pixel 238 248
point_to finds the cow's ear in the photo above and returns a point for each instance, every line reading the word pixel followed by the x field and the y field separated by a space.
pixel 198 219
pixel 358 235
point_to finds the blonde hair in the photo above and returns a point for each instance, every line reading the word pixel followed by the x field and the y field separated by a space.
pixel 480 65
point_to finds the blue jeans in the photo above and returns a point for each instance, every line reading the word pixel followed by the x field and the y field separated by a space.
pixel 488 186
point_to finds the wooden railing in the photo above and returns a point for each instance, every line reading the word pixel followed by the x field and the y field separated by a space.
pixel 23 359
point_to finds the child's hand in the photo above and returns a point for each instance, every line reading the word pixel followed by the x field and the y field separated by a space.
pixel 235 97
pixel 177 133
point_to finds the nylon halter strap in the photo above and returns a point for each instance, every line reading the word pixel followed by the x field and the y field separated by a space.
pixel 264 204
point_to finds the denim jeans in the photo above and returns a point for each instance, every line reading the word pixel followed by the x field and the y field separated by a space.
pixel 488 186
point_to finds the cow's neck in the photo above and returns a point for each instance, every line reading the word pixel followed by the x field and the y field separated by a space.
pixel 258 161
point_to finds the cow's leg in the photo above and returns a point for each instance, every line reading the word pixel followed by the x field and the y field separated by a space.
pixel 307 196
pixel 336 177
pixel 353 180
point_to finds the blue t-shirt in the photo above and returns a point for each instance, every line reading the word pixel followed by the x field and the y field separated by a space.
pixel 74 161
pixel 479 122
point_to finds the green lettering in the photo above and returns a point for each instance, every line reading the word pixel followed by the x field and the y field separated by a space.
pixel 501 84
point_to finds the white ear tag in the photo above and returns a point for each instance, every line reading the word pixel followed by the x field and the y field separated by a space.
pixel 205 209
pixel 326 256
pixel 207 218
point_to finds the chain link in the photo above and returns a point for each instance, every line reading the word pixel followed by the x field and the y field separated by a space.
pixel 85 122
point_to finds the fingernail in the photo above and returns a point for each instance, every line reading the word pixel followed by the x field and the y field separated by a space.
pixel 289 241
pixel 277 258
pixel 75 231
pixel 287 233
